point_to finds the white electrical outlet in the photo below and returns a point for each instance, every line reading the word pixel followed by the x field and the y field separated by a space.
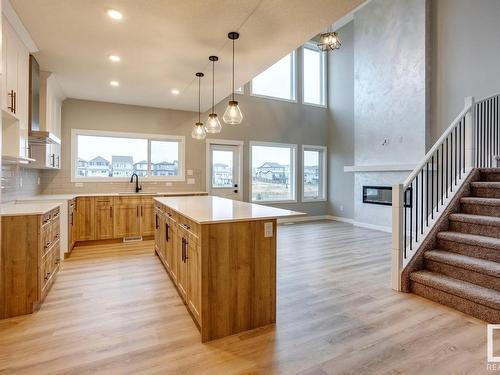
pixel 341 207
pixel 189 172
pixel 190 181
pixel 78 184
pixel 168 183
pixel 268 229
pixel 20 181
pixel 38 181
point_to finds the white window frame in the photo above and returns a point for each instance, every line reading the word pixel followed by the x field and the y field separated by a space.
pixel 293 88
pixel 323 80
pixel 293 170
pixel 323 173
pixel 150 137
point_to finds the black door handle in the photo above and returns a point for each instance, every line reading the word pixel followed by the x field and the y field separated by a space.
pixel 235 185
pixel 235 190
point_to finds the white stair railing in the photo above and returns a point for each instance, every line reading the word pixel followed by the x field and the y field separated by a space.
pixel 472 140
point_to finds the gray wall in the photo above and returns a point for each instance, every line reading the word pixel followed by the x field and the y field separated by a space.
pixel 466 56
pixel 341 125
pixel 390 97
pixel 264 120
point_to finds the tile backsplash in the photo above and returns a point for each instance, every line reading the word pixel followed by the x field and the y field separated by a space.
pixel 59 182
pixel 19 181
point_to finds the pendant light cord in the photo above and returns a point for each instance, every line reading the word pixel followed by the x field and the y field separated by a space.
pixel 199 99
pixel 233 70
pixel 213 85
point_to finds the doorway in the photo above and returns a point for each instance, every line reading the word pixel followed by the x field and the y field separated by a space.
pixel 224 168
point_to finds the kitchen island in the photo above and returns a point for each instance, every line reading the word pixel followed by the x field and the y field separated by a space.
pixel 221 256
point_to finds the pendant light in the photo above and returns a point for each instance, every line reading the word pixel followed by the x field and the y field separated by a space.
pixel 329 40
pixel 233 115
pixel 198 129
pixel 213 124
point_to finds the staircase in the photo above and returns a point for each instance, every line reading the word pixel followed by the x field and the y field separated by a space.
pixel 463 271
pixel 446 216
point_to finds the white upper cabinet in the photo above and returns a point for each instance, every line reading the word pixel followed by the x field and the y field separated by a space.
pixel 14 101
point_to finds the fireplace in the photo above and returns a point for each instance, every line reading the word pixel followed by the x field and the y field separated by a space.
pixel 377 195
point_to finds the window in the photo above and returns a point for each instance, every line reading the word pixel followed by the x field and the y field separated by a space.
pixel 278 81
pixel 103 156
pixel 272 172
pixel 313 75
pixel 222 168
pixel 313 173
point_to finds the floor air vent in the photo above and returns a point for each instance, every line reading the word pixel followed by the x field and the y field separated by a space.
pixel 132 239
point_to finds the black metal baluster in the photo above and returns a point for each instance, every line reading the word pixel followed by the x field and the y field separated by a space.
pixel 427 194
pixel 460 150
pixel 442 170
pixel 447 167
pixel 456 142
pixel 422 204
pixel 463 145
pixel 404 223
pixel 432 187
pixel 411 214
pixel 477 134
pixel 451 161
pixel 416 208
pixel 437 180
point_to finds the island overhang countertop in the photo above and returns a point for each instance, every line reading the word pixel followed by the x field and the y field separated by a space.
pixel 211 209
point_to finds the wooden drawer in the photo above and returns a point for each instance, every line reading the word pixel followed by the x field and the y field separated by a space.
pixel 189 225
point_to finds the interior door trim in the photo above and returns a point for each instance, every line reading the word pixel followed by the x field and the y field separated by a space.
pixel 224 142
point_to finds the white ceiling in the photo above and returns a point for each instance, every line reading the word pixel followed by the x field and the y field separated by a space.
pixel 163 43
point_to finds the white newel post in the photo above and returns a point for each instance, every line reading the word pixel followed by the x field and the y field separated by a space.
pixel 470 142
pixel 397 236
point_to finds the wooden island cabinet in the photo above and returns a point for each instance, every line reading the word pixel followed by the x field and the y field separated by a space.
pixel 29 258
pixel 221 256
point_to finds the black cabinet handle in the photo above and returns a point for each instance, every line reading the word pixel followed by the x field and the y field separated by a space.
pixel 156 221
pixel 167 227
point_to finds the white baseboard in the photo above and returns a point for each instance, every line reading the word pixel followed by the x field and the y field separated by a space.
pixel 336 218
pixel 299 219
pixel 341 219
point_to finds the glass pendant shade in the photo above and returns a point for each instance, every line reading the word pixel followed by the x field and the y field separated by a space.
pixel 233 115
pixel 198 131
pixel 213 124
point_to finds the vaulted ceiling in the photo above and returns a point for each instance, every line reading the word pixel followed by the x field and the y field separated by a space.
pixel 163 43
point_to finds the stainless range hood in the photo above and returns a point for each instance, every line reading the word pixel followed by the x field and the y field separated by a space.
pixel 36 135
pixel 43 137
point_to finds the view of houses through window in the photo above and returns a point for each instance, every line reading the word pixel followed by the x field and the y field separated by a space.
pixel 313 173
pixel 119 157
pixel 273 177
pixel 222 168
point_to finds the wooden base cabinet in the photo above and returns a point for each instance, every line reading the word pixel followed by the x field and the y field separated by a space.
pixel 224 272
pixel 30 259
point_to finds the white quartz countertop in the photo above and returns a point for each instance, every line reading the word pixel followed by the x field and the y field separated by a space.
pixel 210 209
pixel 12 209
pixel 67 197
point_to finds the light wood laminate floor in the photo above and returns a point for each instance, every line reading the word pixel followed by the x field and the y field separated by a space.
pixel 114 310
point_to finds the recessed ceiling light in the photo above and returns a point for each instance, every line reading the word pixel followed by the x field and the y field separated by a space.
pixel 114 14
pixel 114 83
pixel 175 92
pixel 115 58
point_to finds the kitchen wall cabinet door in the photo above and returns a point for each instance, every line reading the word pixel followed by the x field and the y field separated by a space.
pixel 84 219
pixel 127 219
pixel 147 216
pixel 104 218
